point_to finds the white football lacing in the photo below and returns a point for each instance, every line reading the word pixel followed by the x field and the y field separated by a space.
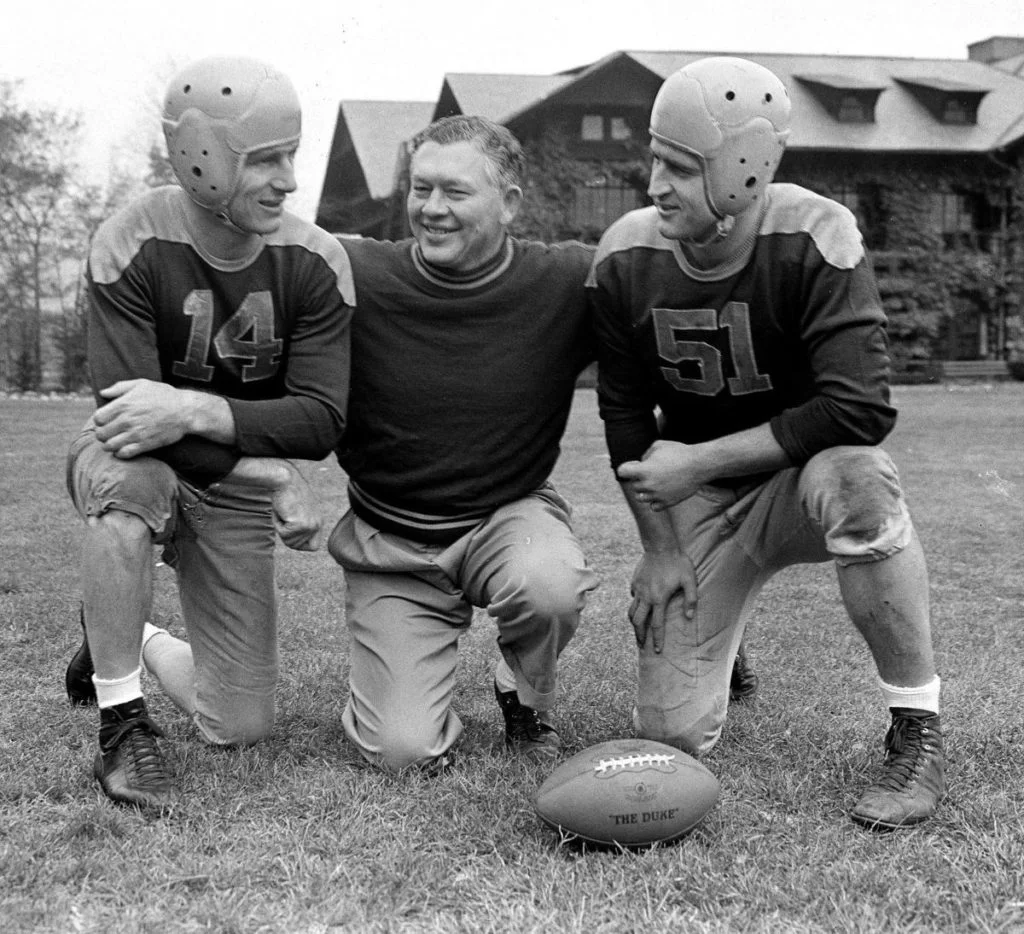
pixel 636 760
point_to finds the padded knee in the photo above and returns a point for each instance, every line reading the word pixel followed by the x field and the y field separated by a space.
pixel 539 589
pixel 401 748
pixel 853 493
pixel 403 740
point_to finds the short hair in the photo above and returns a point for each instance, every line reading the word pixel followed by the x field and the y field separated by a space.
pixel 504 154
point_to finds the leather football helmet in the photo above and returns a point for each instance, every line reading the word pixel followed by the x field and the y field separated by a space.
pixel 733 116
pixel 217 110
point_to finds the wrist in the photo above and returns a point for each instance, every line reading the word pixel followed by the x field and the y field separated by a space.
pixel 192 412
pixel 207 415
pixel 658 538
pixel 705 465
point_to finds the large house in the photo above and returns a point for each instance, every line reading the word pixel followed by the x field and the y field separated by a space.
pixel 928 153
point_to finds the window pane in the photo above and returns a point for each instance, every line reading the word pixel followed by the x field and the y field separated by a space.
pixel 956 112
pixel 597 207
pixel 592 127
pixel 620 128
pixel 851 110
pixel 847 197
pixel 965 214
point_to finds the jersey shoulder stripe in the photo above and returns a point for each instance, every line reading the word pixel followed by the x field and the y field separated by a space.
pixel 637 229
pixel 158 214
pixel 832 227
pixel 162 215
pixel 297 233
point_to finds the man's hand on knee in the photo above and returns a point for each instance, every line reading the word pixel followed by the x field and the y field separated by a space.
pixel 142 415
pixel 663 583
pixel 297 514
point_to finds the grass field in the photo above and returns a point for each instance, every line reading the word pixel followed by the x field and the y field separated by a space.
pixel 297 836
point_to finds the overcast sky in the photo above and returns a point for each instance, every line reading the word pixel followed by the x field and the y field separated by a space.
pixel 109 59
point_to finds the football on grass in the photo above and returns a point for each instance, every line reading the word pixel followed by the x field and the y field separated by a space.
pixel 630 792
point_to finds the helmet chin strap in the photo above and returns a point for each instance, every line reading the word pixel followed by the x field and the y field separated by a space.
pixel 225 218
pixel 223 214
pixel 723 227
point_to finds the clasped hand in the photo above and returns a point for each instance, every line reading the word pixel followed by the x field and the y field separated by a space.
pixel 143 415
pixel 668 474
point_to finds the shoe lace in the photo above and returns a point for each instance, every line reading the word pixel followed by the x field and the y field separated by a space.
pixel 143 754
pixel 907 751
pixel 529 724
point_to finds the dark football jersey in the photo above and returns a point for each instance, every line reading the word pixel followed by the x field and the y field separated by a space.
pixel 460 391
pixel 792 334
pixel 270 333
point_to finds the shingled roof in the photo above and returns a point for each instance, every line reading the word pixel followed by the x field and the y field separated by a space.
pixel 901 123
pixel 902 96
pixel 378 129
pixel 497 97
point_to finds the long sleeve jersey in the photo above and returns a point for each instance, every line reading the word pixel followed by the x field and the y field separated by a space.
pixel 791 334
pixel 460 392
pixel 269 333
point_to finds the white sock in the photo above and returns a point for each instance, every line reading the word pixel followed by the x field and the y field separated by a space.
pixel 504 677
pixel 925 697
pixel 118 690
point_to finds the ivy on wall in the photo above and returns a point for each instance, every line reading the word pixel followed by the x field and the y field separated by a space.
pixel 553 175
pixel 924 285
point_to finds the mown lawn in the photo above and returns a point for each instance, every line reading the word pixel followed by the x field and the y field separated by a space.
pixel 297 836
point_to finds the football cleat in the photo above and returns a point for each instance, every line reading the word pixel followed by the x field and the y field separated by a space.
pixel 78 677
pixel 130 766
pixel 913 781
pixel 527 733
pixel 744 681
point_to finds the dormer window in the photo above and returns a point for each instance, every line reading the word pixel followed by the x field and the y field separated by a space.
pixel 851 110
pixel 596 128
pixel 959 111
pixel 949 102
pixel 846 98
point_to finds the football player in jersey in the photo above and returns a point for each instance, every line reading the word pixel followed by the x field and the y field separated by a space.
pixel 466 346
pixel 218 347
pixel 745 315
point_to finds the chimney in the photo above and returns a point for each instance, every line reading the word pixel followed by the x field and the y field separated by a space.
pixel 996 49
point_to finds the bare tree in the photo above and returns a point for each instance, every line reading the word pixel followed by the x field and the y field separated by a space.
pixel 42 232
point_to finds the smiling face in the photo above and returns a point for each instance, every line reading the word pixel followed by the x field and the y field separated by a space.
pixel 677 190
pixel 267 178
pixel 457 211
